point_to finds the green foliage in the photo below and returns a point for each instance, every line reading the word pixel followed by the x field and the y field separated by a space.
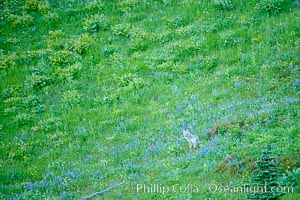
pixel 121 29
pixel 95 23
pixel 96 92
pixel 209 63
pixel 292 179
pixel 224 4
pixel 20 151
pixel 51 16
pixel 172 67
pixel 80 43
pixel 36 5
pixel 130 5
pixel 229 38
pixel 95 6
pixel 23 20
pixel 267 176
pixel 49 125
pixel 130 82
pixel 175 22
pixel 7 61
pixel 23 109
pixel 57 34
pixel 62 57
pixel 69 73
pixel 109 96
pixel 37 81
pixel 140 41
pixel 270 6
pixel 71 98
pixel 109 50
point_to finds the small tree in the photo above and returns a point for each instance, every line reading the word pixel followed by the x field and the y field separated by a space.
pixel 266 177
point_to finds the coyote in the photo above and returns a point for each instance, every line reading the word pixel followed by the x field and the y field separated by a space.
pixel 192 139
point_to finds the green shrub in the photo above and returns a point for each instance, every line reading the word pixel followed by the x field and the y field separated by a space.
pixel 229 38
pixel 71 98
pixel 270 6
pixel 223 4
pixel 37 81
pixel 50 16
pixel 23 20
pixel 50 125
pixel 69 73
pixel 121 30
pixel 79 44
pixel 267 176
pixel 170 66
pixel 139 43
pixel 109 97
pixel 109 50
pixel 36 5
pixel 209 63
pixel 129 5
pixel 130 82
pixel 95 6
pixel 12 91
pixel 7 61
pixel 62 57
pixel 57 34
pixel 56 40
pixel 175 22
pixel 95 23
pixel 20 151
pixel 23 109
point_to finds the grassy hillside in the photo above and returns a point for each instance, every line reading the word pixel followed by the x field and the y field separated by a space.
pixel 94 93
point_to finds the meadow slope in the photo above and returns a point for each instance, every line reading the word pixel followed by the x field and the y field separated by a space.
pixel 94 93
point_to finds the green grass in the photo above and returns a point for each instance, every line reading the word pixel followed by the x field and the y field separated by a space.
pixel 97 92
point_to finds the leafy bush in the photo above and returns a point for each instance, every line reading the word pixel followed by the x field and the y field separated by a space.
pixel 95 23
pixel 20 151
pixel 23 108
pixel 50 16
pixel 270 6
pixel 63 57
pixel 95 6
pixel 23 20
pixel 229 38
pixel 80 43
pixel 109 50
pixel 71 98
pixel 36 5
pixel 130 82
pixel 12 91
pixel 7 61
pixel 292 179
pixel 175 22
pixel 121 30
pixel 57 34
pixel 172 67
pixel 129 5
pixel 140 43
pixel 56 40
pixel 267 176
pixel 109 96
pixel 23 118
pixel 224 4
pixel 37 81
pixel 209 63
pixel 68 73
pixel 51 124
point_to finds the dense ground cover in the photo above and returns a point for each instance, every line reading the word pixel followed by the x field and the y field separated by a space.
pixel 97 92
